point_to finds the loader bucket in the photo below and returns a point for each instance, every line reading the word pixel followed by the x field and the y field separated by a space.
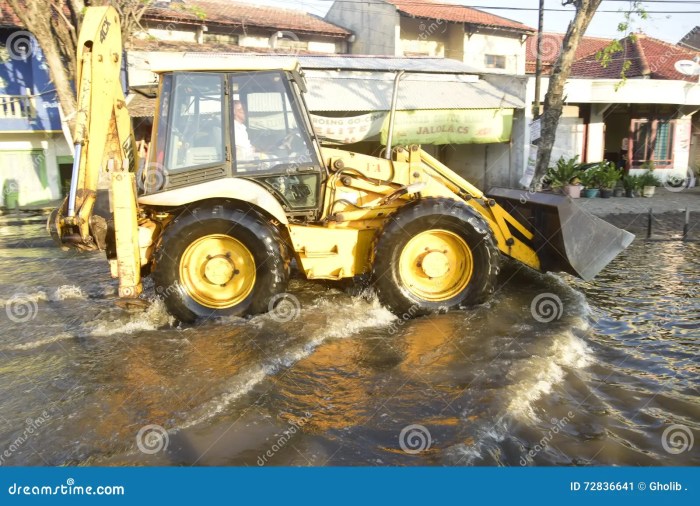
pixel 567 237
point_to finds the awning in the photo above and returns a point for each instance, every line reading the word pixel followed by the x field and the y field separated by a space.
pixel 435 126
pixel 336 91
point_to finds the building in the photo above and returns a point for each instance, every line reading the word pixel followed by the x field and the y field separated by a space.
pixel 405 28
pixel 239 27
pixel 34 155
pixel 691 40
pixel 652 113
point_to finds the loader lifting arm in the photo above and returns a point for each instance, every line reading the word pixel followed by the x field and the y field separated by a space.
pixel 104 155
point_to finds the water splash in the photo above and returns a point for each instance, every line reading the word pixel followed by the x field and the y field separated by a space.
pixel 154 318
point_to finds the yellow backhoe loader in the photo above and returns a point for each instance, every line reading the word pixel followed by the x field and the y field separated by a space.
pixel 236 185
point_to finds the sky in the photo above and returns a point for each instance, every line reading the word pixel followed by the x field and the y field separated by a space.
pixel 664 26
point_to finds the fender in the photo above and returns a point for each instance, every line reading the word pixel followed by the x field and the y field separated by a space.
pixel 231 188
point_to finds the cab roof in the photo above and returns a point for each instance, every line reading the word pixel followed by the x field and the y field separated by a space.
pixel 218 62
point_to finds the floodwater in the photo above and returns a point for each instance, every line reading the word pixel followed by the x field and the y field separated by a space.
pixel 612 379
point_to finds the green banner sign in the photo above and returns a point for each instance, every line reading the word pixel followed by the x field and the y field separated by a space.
pixel 450 126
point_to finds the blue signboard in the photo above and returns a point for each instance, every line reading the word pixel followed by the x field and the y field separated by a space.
pixel 28 100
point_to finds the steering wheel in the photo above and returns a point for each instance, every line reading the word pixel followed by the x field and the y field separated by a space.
pixel 293 142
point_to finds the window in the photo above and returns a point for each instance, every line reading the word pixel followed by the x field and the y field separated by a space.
pixel 493 61
pixel 652 140
pixel 196 133
pixel 271 138
pixel 266 126
pixel 219 38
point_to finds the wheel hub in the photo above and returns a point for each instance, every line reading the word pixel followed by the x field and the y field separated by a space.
pixel 435 264
pixel 219 269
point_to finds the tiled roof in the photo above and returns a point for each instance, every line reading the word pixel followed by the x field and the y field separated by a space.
pixel 691 40
pixel 648 57
pixel 551 47
pixel 457 13
pixel 207 47
pixel 236 14
pixel 7 16
pixel 141 106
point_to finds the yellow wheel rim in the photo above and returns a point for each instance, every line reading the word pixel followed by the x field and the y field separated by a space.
pixel 217 271
pixel 436 265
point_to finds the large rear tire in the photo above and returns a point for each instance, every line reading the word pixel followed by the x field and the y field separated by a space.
pixel 217 260
pixel 433 255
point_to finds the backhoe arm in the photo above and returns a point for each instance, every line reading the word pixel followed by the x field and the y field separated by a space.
pixel 104 157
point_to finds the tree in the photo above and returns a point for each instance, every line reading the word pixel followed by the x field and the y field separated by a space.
pixel 55 24
pixel 554 99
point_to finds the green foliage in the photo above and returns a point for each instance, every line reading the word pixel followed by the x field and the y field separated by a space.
pixel 564 172
pixel 609 175
pixel 632 182
pixel 649 179
pixel 649 165
pixel 590 178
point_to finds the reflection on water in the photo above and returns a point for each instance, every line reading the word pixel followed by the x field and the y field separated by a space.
pixel 337 384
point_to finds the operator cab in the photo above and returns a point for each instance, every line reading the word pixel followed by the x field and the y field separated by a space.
pixel 248 124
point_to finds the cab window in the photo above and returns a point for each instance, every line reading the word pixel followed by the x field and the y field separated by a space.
pixel 266 125
pixel 196 122
pixel 271 143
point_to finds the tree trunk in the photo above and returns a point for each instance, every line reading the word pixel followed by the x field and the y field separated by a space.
pixel 554 99
pixel 55 24
pixel 54 38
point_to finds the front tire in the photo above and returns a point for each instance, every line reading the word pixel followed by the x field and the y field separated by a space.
pixel 216 260
pixel 433 255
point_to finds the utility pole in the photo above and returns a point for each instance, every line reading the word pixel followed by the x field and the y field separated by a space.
pixel 538 65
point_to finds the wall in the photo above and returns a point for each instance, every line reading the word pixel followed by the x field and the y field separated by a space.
pixel 483 165
pixel 250 37
pixel 38 177
pixel 596 140
pixel 169 32
pixel 374 23
pixel 484 42
pixel 425 37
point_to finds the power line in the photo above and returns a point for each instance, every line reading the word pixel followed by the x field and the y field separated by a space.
pixel 418 3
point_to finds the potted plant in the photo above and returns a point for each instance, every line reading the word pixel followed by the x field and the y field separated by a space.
pixel 632 185
pixel 609 176
pixel 649 180
pixel 589 180
pixel 565 175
